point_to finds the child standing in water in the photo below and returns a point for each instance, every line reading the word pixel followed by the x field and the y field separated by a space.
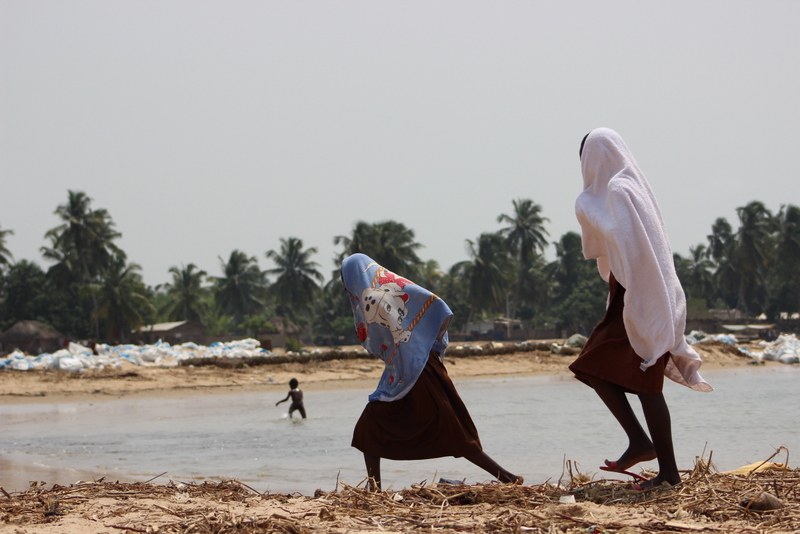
pixel 415 412
pixel 641 338
pixel 296 394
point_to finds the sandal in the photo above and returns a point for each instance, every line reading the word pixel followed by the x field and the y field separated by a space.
pixel 612 468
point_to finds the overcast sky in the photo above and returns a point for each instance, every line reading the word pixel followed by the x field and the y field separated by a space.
pixel 208 126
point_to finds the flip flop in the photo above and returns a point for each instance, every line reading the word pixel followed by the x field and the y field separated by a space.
pixel 614 469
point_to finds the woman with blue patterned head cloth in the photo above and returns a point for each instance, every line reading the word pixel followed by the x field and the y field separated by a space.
pixel 415 412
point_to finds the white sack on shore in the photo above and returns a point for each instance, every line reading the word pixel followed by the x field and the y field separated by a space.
pixel 785 349
pixel 76 357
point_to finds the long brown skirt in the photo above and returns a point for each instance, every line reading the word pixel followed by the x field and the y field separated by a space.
pixel 608 354
pixel 431 421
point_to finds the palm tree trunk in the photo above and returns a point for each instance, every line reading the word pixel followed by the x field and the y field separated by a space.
pixel 94 298
pixel 741 300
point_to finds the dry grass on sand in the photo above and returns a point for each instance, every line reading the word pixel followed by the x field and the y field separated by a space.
pixel 706 501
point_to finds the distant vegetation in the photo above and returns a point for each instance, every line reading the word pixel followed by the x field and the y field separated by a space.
pixel 89 288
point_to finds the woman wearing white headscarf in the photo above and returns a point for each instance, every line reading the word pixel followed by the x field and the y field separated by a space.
pixel 641 338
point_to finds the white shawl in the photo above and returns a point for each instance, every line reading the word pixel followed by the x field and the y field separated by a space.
pixel 623 230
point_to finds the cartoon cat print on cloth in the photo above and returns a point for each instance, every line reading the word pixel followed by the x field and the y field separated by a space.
pixel 386 306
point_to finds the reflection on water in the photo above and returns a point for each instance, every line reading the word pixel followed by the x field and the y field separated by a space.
pixel 530 425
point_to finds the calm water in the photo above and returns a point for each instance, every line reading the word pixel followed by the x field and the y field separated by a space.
pixel 528 424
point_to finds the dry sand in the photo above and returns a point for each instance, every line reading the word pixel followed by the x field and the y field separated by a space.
pixel 706 501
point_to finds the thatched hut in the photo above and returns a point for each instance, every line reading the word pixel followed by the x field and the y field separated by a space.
pixel 32 337
pixel 175 333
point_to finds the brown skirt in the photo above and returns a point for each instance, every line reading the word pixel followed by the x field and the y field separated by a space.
pixel 431 421
pixel 608 354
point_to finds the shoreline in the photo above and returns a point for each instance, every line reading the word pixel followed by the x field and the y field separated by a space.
pixel 130 381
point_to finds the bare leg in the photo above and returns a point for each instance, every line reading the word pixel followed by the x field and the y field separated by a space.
pixel 373 472
pixel 483 461
pixel 640 448
pixel 656 413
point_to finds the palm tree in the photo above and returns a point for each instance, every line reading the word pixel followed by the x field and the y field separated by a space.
pixel 240 291
pixel 526 232
pixel 722 250
pixel 699 281
pixel 453 288
pixel 332 321
pixel 569 266
pixel 527 236
pixel 429 275
pixel 787 271
pixel 754 244
pixel 5 256
pixel 720 240
pixel 26 294
pixel 389 243
pixel 579 294
pixel 490 273
pixel 83 244
pixel 123 298
pixel 186 297
pixel 298 278
pixel 85 238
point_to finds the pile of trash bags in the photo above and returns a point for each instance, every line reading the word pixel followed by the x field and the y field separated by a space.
pixel 78 358
pixel 784 349
pixel 698 336
pixel 570 347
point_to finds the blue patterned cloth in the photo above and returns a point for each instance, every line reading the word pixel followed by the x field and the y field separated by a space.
pixel 397 321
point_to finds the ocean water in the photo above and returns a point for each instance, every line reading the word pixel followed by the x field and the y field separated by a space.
pixel 531 425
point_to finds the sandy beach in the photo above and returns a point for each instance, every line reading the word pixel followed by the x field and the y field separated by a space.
pixel 706 500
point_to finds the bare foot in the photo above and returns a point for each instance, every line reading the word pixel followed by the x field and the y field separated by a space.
pixel 630 458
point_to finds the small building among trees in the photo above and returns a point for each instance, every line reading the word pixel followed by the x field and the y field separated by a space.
pixel 174 333
pixel 31 337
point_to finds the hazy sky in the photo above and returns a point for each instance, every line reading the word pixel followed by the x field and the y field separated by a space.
pixel 208 126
